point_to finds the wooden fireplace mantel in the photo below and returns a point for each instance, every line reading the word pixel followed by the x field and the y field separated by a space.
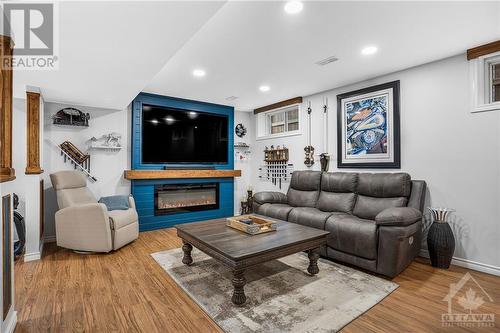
pixel 173 174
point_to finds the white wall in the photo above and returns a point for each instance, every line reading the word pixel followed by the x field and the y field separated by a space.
pixel 242 183
pixel 456 152
pixel 107 166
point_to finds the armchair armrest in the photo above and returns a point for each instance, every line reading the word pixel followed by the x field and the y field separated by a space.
pixel 270 197
pixel 131 201
pixel 398 216
pixel 84 227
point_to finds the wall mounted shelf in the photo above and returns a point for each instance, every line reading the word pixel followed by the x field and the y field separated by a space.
pixel 105 147
pixel 179 174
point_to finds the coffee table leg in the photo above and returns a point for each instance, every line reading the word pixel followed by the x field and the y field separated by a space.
pixel 187 259
pixel 313 261
pixel 239 282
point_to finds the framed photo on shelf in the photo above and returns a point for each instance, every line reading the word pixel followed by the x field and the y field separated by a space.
pixel 368 128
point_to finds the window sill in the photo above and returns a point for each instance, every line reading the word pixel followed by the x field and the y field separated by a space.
pixel 280 135
pixel 486 107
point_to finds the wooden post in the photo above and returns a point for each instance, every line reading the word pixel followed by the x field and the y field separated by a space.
pixel 33 133
pixel 7 173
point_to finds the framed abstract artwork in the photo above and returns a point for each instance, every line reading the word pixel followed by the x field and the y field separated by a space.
pixel 368 128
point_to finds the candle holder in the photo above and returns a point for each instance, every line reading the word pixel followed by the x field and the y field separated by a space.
pixel 440 239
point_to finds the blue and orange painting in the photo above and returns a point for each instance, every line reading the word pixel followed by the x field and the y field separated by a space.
pixel 366 126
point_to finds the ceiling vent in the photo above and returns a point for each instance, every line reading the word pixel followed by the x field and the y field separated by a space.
pixel 326 61
pixel 231 98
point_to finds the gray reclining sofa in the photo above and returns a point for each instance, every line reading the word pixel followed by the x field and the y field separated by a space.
pixel 375 220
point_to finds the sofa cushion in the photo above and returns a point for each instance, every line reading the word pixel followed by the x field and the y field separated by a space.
pixel 368 207
pixel 384 185
pixel 352 235
pixel 336 202
pixel 339 182
pixel 304 188
pixel 308 216
pixel 306 180
pixel 122 218
pixel 337 192
pixel 277 211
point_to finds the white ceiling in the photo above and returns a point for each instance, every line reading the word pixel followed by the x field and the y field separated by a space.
pixel 247 44
pixel 111 51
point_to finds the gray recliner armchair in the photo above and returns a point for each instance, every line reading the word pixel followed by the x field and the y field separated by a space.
pixel 374 220
pixel 83 224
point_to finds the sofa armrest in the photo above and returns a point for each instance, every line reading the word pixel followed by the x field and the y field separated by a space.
pixel 270 197
pixel 84 227
pixel 398 216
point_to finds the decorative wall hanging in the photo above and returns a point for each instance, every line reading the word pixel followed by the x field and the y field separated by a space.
pixel 71 117
pixel 79 159
pixel 240 130
pixel 309 150
pixel 277 169
pixel 324 158
pixel 368 129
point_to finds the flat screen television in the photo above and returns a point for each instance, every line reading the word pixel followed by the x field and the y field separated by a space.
pixel 183 136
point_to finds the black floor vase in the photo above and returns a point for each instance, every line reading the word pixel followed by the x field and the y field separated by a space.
pixel 441 244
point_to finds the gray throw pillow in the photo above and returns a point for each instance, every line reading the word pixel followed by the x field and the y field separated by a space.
pixel 115 202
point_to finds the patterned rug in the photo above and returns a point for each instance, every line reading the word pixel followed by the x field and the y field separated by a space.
pixel 281 295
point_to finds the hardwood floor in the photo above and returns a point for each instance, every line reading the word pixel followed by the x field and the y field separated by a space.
pixel 126 291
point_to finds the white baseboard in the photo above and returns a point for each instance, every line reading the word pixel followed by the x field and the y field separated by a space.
pixel 10 322
pixel 49 239
pixel 466 263
pixel 32 256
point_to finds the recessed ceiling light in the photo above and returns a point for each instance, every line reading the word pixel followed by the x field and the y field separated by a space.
pixel 293 7
pixel 264 88
pixel 199 73
pixel 369 50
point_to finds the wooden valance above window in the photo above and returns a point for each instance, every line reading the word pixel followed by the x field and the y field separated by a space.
pixel 482 50
pixel 291 101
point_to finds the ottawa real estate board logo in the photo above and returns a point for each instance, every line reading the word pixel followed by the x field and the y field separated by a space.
pixel 466 301
pixel 33 28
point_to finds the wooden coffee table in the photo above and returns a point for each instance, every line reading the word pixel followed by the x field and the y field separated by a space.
pixel 240 251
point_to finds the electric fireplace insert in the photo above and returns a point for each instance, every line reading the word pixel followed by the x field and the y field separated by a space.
pixel 182 198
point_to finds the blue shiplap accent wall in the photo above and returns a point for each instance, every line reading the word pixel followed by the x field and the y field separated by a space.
pixel 143 190
pixel 143 193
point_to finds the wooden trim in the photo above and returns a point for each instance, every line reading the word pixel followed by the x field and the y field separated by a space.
pixel 291 101
pixel 33 133
pixel 7 173
pixel 42 209
pixel 6 254
pixel 176 174
pixel 483 50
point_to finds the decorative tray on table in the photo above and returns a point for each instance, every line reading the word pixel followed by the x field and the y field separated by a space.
pixel 251 224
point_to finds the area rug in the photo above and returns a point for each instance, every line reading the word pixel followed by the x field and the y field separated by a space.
pixel 281 295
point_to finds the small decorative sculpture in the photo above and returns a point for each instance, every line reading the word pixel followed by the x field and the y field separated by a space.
pixel 72 117
pixel 112 139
